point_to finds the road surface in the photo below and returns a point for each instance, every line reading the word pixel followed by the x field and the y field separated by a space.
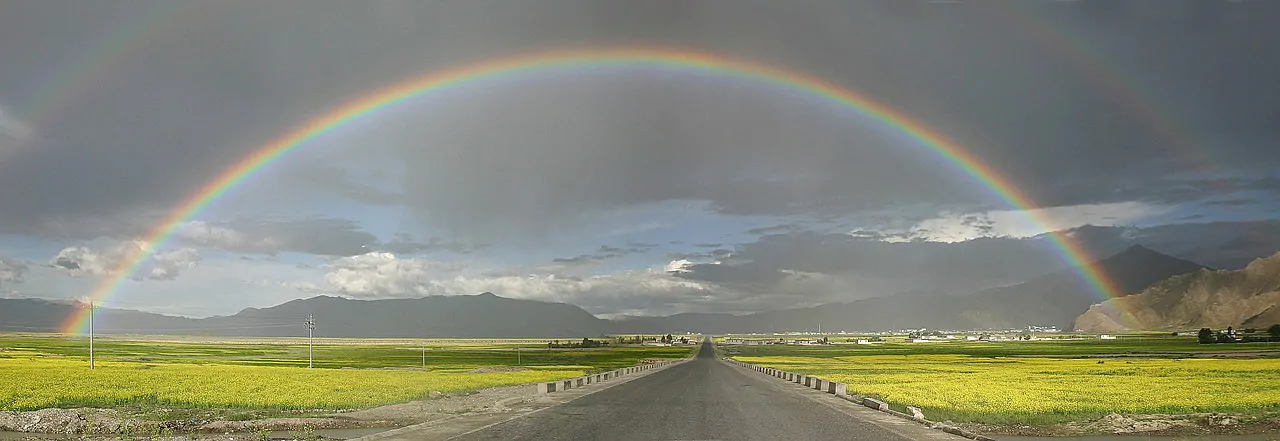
pixel 707 399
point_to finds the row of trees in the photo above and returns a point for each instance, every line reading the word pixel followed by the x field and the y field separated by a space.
pixel 638 339
pixel 1231 335
pixel 585 343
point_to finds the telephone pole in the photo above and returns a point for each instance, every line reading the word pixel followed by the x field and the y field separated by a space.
pixel 91 308
pixel 311 326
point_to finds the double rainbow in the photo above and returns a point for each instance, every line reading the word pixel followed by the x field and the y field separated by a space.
pixel 674 59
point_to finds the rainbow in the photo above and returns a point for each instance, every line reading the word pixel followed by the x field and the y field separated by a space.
pixel 678 59
pixel 1123 91
pixel 124 43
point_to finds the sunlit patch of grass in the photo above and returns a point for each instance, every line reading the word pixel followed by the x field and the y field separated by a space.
pixel 51 371
pixel 993 388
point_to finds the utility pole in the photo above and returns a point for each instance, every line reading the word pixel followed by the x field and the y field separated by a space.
pixel 311 326
pixel 424 354
pixel 91 308
pixel 518 357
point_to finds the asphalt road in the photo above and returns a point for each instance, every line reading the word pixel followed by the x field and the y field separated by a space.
pixel 706 399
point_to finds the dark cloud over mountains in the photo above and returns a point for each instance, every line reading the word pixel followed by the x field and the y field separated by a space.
pixel 111 116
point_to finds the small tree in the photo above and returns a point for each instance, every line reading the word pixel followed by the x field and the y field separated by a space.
pixel 1274 331
pixel 1206 336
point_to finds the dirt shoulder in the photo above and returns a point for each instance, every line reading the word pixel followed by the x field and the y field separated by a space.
pixel 1150 425
pixel 92 421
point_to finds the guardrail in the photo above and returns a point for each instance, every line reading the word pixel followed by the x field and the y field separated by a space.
pixel 842 390
pixel 566 384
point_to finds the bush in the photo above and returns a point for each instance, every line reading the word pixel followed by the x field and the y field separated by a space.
pixel 1206 336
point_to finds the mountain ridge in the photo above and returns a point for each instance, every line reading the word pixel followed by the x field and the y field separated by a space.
pixel 1216 299
pixel 1049 299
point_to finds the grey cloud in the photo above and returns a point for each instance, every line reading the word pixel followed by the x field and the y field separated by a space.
pixel 530 156
pixel 713 254
pixel 80 261
pixel 1231 202
pixel 540 155
pixel 335 237
pixel 605 252
pixel 403 243
pixel 772 229
pixel 1225 245
pixel 11 271
pixel 841 267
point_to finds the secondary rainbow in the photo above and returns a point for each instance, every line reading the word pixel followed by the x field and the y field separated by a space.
pixel 680 59
pixel 1124 91
pixel 125 43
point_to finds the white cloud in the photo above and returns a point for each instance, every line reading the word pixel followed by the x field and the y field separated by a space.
pixel 107 260
pixel 959 227
pixel 678 266
pixel 203 233
pixel 384 275
pixel 381 275
pixel 11 271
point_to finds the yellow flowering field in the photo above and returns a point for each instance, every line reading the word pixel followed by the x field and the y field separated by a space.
pixel 1039 390
pixel 28 383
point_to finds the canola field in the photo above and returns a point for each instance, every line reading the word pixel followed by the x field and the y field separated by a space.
pixel 980 383
pixel 46 371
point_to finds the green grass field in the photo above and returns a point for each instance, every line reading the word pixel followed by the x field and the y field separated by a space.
pixel 1044 382
pixel 39 371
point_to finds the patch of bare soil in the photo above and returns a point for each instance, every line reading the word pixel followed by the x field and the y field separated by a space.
pixel 81 421
pixel 1150 425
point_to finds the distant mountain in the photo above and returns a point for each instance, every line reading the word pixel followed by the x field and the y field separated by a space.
pixel 36 315
pixel 1058 298
pixel 483 315
pixel 1053 299
pixel 1216 299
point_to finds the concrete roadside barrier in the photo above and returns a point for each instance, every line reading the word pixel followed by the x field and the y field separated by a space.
pixel 842 390
pixel 570 383
pixel 875 404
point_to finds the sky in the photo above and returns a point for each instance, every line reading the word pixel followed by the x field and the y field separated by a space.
pixel 628 191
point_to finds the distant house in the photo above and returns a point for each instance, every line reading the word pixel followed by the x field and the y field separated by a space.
pixel 733 341
pixel 971 338
pixel 1106 337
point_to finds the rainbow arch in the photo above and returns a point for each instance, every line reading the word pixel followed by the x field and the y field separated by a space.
pixel 681 59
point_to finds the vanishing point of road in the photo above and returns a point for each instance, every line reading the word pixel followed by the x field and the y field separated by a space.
pixel 706 399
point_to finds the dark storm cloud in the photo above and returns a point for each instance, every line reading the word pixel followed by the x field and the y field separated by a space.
pixel 525 158
pixel 841 267
pixel 958 268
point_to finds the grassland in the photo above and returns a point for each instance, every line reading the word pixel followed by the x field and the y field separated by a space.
pixel 40 371
pixel 1044 382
